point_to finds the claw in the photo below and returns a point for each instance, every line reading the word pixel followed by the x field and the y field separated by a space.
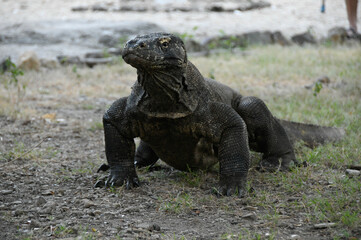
pixel 127 186
pixel 104 167
pixel 99 184
pixel 230 191
pixel 136 182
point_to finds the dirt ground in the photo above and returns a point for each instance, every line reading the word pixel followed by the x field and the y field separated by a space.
pixel 49 192
pixel 50 151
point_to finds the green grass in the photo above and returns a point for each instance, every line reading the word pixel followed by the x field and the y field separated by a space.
pixel 321 191
pixel 278 75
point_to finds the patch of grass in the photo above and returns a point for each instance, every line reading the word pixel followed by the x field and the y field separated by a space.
pixel 21 151
pixel 181 203
pixel 96 126
pixel 192 178
pixel 88 107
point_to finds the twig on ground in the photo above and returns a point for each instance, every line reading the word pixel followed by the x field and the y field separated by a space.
pixel 25 153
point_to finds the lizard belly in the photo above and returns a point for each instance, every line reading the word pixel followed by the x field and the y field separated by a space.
pixel 178 147
pixel 186 153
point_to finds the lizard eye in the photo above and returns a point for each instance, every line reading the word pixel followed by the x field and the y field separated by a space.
pixel 165 44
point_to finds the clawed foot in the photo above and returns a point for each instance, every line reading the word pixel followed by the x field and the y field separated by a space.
pixel 118 177
pixel 104 167
pixel 231 185
pixel 274 164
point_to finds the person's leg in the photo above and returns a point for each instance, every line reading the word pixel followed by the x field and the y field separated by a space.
pixel 351 6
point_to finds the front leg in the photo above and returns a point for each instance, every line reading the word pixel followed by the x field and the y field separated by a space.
pixel 233 157
pixel 120 156
pixel 119 147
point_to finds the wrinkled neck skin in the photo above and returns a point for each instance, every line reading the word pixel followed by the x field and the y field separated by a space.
pixel 166 93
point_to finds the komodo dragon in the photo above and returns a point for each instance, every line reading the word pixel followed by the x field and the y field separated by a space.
pixel 192 122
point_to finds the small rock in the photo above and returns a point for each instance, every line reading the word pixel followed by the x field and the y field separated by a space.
pixel 259 37
pixel 99 8
pixel 303 38
pixel 29 61
pixel 250 216
pixel 278 38
pixel 48 207
pixel 337 35
pixel 50 204
pixel 68 60
pixel 40 202
pixel 108 40
pixel 194 46
pixel 17 213
pixel 324 80
pixel 91 62
pixel 34 224
pixel 6 192
pixel 352 172
pixel 154 227
pixel 87 203
pixel 295 237
pixel 49 63
pixel 47 192
pixel 324 225
pixel 80 8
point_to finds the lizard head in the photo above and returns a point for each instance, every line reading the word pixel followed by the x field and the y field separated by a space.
pixel 155 51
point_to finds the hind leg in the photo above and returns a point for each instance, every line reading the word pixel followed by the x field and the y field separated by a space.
pixel 266 134
pixel 145 156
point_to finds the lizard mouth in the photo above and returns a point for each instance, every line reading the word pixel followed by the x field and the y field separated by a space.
pixel 136 61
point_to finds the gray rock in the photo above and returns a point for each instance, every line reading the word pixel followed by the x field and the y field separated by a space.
pixel 337 35
pixel 353 172
pixel 108 40
pixel 6 191
pixel 304 38
pixel 99 7
pixel 133 8
pixel 69 37
pixel 194 46
pixel 324 225
pixel 240 6
pixel 278 38
pixel 296 237
pixel 227 41
pixel 88 203
pixel 91 62
pixel 49 63
pixel 250 216
pixel 259 38
pixel 40 201
pixel 154 227
pixel 80 8
pixel 68 60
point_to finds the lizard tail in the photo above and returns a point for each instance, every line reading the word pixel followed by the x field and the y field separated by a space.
pixel 312 135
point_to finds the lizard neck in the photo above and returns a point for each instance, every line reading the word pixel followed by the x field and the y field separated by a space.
pixel 166 93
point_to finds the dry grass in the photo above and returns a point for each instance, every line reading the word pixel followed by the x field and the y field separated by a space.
pixel 319 193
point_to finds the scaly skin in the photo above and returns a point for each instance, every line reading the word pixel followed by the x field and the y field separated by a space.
pixel 186 120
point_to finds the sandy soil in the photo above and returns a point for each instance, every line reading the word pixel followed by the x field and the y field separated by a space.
pixel 290 17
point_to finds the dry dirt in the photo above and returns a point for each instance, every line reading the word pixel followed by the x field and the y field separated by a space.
pixel 48 163
pixel 48 193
